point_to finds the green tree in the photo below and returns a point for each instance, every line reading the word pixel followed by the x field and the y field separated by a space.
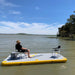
pixel 69 28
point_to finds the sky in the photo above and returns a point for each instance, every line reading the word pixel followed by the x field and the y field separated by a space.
pixel 34 16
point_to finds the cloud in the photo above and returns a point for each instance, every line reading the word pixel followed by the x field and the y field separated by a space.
pixel 38 18
pixel 33 28
pixel 5 3
pixel 15 12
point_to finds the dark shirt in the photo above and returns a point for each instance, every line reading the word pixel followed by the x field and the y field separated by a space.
pixel 18 47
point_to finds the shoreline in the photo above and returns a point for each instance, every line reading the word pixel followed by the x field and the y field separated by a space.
pixel 25 34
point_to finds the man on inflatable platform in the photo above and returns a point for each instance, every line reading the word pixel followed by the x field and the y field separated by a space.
pixel 19 47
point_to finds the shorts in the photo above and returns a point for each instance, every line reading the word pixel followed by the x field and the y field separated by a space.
pixel 24 50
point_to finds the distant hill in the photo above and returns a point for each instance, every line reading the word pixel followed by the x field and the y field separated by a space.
pixel 22 34
pixel 13 34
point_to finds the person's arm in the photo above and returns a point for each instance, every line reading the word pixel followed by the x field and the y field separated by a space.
pixel 22 47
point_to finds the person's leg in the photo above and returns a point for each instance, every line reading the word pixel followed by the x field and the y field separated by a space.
pixel 28 53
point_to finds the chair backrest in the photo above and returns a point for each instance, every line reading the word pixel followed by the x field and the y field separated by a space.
pixel 57 48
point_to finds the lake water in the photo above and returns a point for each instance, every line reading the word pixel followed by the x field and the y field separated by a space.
pixel 38 44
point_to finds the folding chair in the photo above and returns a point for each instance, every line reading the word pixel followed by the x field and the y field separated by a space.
pixel 21 54
pixel 55 52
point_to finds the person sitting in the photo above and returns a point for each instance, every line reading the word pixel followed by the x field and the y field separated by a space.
pixel 19 47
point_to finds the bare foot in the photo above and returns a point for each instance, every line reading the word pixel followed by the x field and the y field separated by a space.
pixel 29 56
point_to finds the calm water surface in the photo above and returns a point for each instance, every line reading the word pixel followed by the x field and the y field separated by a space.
pixel 38 44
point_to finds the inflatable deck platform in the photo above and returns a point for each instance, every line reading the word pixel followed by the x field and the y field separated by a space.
pixel 36 58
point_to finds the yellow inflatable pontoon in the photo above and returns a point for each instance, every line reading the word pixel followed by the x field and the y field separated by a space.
pixel 37 58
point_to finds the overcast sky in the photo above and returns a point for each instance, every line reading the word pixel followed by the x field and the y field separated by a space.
pixel 34 16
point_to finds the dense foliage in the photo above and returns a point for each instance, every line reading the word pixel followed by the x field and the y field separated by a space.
pixel 68 30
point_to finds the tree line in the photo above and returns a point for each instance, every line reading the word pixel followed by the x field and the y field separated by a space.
pixel 68 30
